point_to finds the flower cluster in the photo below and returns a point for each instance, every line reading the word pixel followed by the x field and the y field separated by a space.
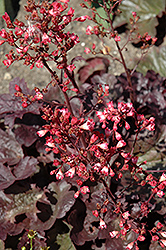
pixel 88 156
pixel 45 25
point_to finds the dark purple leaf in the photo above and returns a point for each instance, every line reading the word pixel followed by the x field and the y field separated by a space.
pixel 26 135
pixel 64 196
pixel 6 226
pixel 65 200
pixel 46 158
pixel 97 64
pixel 6 177
pixel 25 168
pixel 11 151
pixel 11 106
pixel 21 83
pixel 77 58
pixel 53 94
pixel 23 203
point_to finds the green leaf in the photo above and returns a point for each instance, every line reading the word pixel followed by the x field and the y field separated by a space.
pixel 64 240
pixel 156 156
pixel 147 10
pixel 102 15
pixel 2 245
pixel 155 60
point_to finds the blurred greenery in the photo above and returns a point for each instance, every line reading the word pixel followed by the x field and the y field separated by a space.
pixel 64 240
pixel 155 60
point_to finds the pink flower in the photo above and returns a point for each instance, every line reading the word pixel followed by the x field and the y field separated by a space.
pixel 38 96
pixel 6 18
pixel 97 167
pixel 87 50
pixel 153 183
pixel 71 11
pixel 70 173
pixel 88 125
pixel 71 67
pixel 89 30
pixel 154 39
pixel 130 245
pixel 159 225
pixel 95 213
pixel 126 215
pixel 163 177
pixel 102 224
pixel 24 104
pixel 3 33
pixel 134 159
pixel 41 133
pixel 82 18
pixel 163 242
pixel 117 38
pixel 134 14
pixel 2 41
pixel 17 88
pixel 155 238
pixel 127 126
pixel 163 234
pixel 93 138
pixel 160 193
pixel 111 172
pixel 113 234
pixel 84 189
pixel 151 124
pixel 103 145
pixel 102 117
pixel 121 144
pixel 76 194
pixel 39 64
pixel 74 120
pixel 141 238
pixel 18 31
pixel 104 170
pixel 64 1
pixel 50 142
pixel 55 52
pixel 118 136
pixel 148 37
pixel 93 47
pixel 7 62
pixel 59 175
pixel 45 39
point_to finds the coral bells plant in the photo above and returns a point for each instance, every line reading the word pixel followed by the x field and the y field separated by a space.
pixel 81 160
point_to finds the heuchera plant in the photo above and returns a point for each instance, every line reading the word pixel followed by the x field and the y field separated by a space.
pixel 79 159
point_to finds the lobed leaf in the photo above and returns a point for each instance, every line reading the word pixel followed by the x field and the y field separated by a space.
pixel 155 60
pixel 146 10
pixel 6 177
pixel 64 240
pixel 11 151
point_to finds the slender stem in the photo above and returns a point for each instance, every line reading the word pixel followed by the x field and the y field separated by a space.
pixel 72 79
pixel 140 59
pixel 121 55
pixel 109 191
pixel 66 97
pixel 156 171
pixel 31 244
pixel 57 79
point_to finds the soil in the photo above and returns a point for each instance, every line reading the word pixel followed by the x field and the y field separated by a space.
pixel 40 77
